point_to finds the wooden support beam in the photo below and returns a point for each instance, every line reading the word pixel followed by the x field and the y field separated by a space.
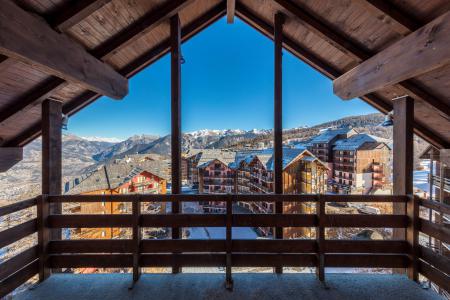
pixel 130 70
pixel 401 22
pixel 175 60
pixel 326 32
pixel 427 47
pixel 229 244
pixel 320 238
pixel 137 232
pixel 278 120
pixel 403 161
pixel 331 72
pixel 30 40
pixel 9 157
pixel 139 28
pixel 74 12
pixel 357 51
pixel 52 156
pixel 231 9
pixel 43 210
pixel 188 31
pixel 33 98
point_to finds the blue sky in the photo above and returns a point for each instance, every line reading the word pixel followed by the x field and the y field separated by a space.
pixel 227 82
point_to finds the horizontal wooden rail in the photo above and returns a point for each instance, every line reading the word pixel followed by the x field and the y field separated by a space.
pixel 238 245
pixel 17 262
pixel 438 231
pixel 355 246
pixel 434 205
pixel 238 260
pixel 269 220
pixel 363 198
pixel 169 246
pixel 435 275
pixel 15 207
pixel 367 260
pixel 17 232
pixel 183 198
pixel 12 282
pixel 89 221
pixel 435 259
pixel 223 198
pixel 274 246
pixel 90 246
pixel 379 221
pixel 186 246
pixel 183 220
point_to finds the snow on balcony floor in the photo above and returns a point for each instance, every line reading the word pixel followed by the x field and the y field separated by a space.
pixel 211 286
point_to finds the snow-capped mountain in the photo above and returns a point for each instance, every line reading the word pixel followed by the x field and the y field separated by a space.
pixel 102 139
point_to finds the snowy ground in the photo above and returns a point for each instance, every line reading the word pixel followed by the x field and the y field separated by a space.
pixel 421 177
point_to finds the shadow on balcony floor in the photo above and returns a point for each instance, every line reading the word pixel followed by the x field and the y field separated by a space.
pixel 211 286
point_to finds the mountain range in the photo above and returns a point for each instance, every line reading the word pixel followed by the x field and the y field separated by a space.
pixel 23 180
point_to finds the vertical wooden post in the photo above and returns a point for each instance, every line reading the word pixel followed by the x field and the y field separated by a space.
pixel 229 279
pixel 403 174
pixel 136 239
pixel 175 48
pixel 278 122
pixel 320 238
pixel 51 170
pixel 43 236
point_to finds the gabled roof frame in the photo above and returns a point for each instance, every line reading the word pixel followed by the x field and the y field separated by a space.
pixel 267 29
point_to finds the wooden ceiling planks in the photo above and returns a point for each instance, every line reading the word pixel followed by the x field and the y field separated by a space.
pixel 87 97
pixel 369 27
pixel 424 132
pixel 422 11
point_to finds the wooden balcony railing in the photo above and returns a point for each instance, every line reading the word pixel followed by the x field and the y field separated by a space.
pixel 228 252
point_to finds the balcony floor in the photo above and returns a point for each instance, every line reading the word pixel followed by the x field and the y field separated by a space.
pixel 211 286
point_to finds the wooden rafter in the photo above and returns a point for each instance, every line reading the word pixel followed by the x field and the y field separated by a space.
pixel 335 38
pixel 139 28
pixel 231 9
pixel 9 157
pixel 199 24
pixel 395 17
pixel 66 17
pixel 73 12
pixel 278 119
pixel 175 109
pixel 30 40
pixel 188 31
pixel 353 49
pixel 80 9
pixel 33 98
pixel 326 69
pixel 427 47
pixel 128 71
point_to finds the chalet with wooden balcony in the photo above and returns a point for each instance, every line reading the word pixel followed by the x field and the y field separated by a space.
pixel 122 177
pixel 362 164
pixel 57 57
pixel 303 173
pixel 195 158
pixel 322 145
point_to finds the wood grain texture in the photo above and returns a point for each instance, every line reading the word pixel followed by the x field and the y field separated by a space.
pixel 418 53
pixel 9 157
pixel 30 40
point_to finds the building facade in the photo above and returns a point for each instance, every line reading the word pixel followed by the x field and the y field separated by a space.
pixel 120 177
pixel 322 145
pixel 361 165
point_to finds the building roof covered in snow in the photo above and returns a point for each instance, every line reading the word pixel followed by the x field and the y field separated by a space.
pixel 329 134
pixel 205 156
pixel 115 174
pixel 359 142
pixel 267 158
